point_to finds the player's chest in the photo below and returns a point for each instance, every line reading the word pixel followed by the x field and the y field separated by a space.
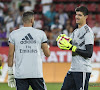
pixel 79 38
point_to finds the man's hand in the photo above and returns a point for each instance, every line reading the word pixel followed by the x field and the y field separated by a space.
pixel 0 70
pixel 65 45
pixel 11 79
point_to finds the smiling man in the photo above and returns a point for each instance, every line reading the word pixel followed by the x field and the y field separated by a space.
pixel 81 45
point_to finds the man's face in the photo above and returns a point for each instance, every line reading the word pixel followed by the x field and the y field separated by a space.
pixel 80 18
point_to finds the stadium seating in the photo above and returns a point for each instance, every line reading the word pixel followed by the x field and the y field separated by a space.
pixel 98 18
pixel 72 0
pixel 82 4
pixel 94 0
pixel 91 7
pixel 38 8
pixel 90 17
pixel 59 6
pixel 60 1
pixel 98 8
pixel 91 23
pixel 69 7
pixel 83 0
pixel 5 0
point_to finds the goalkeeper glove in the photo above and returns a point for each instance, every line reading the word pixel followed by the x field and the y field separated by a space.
pixel 64 35
pixel 0 70
pixel 65 45
pixel 11 79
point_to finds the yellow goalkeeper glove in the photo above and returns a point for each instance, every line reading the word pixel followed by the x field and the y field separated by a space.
pixel 65 45
pixel 0 70
pixel 64 35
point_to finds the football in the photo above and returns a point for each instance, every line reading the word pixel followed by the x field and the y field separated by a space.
pixel 65 37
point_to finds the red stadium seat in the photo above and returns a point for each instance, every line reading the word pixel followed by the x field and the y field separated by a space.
pixel 69 7
pixel 72 0
pixel 98 17
pixel 73 22
pixel 91 17
pixel 91 23
pixel 94 0
pixel 82 4
pixel 60 1
pixel 6 8
pixel 73 16
pixel 38 8
pixel 98 7
pixel 91 7
pixel 84 0
pixel 55 0
pixel 63 0
pixel 59 6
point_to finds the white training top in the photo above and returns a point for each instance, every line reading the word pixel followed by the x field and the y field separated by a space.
pixel 81 37
pixel 28 60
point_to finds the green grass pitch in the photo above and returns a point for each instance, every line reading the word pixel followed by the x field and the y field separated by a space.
pixel 50 86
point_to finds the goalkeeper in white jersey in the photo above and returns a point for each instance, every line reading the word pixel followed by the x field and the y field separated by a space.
pixel 27 42
pixel 81 43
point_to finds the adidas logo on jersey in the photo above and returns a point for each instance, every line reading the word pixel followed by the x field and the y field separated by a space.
pixel 28 39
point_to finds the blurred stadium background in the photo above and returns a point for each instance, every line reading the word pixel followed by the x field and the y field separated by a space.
pixel 53 17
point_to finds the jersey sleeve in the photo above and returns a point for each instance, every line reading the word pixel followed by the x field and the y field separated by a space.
pixel 11 38
pixel 89 38
pixel 44 38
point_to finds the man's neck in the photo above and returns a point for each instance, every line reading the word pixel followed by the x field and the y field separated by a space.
pixel 80 25
pixel 27 25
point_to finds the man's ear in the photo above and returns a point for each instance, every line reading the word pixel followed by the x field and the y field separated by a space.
pixel 31 21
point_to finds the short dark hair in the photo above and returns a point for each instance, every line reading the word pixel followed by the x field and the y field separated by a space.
pixel 27 16
pixel 82 9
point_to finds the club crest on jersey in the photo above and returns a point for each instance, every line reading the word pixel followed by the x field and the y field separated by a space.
pixel 28 39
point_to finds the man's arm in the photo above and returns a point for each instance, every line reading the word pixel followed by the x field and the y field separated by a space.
pixel 11 79
pixel 0 61
pixel 86 53
pixel 11 54
pixel 45 49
